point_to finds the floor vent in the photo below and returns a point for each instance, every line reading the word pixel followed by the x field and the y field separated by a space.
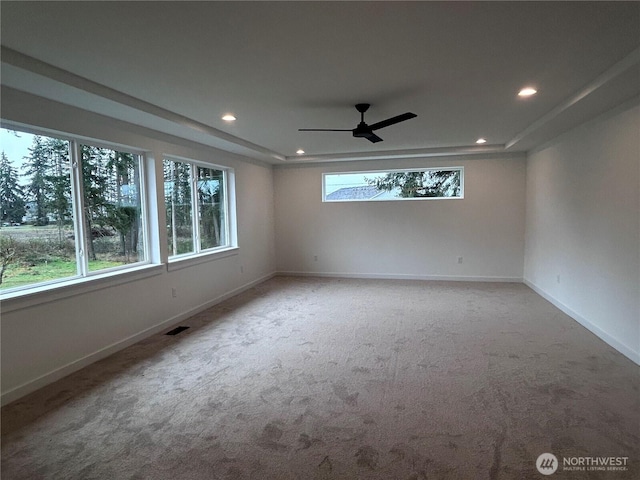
pixel 176 330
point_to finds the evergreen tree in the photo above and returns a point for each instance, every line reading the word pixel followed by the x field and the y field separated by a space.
pixel 124 212
pixel 429 183
pixel 37 167
pixel 58 183
pixel 209 182
pixel 12 204
pixel 177 176
pixel 95 185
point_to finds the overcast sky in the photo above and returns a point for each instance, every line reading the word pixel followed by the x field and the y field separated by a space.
pixel 15 147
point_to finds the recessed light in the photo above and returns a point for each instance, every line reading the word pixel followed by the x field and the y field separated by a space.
pixel 527 92
pixel 228 118
pixel 481 140
pixel 300 151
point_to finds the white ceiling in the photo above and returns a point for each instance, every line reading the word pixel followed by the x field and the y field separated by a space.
pixel 279 66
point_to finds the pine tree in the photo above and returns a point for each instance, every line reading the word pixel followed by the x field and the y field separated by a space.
pixel 427 183
pixel 209 182
pixel 177 175
pixel 58 183
pixel 37 166
pixel 95 185
pixel 11 194
pixel 124 212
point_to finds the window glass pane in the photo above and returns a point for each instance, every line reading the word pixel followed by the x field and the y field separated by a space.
pixel 211 208
pixel 178 205
pixel 37 241
pixel 112 208
pixel 196 206
pixel 394 185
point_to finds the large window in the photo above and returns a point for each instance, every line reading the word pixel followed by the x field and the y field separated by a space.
pixel 69 209
pixel 393 185
pixel 197 207
pixel 114 226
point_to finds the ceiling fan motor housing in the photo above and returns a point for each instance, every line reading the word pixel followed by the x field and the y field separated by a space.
pixel 362 130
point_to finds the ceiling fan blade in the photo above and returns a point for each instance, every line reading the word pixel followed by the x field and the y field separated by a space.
pixel 324 130
pixel 393 120
pixel 372 137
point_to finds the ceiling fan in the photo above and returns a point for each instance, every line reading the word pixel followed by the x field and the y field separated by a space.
pixel 363 130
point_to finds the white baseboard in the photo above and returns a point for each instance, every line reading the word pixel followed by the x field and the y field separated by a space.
pixel 61 372
pixel 627 351
pixel 402 276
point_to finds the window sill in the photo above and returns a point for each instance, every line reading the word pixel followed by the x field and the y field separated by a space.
pixel 178 263
pixel 57 291
pixel 407 199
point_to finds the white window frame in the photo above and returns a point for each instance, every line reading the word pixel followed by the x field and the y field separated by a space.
pixel 229 225
pixel 84 280
pixel 76 176
pixel 391 199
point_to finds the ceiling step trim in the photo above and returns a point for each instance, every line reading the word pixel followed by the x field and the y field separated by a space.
pixel 613 72
pixel 400 154
pixel 51 72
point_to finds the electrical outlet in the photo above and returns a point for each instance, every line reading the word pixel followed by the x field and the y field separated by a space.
pixel 174 292
pixel 459 259
pixel 315 258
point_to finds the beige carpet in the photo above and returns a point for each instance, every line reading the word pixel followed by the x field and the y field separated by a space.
pixel 311 379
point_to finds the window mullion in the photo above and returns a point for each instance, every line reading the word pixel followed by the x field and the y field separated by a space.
pixel 195 209
pixel 144 205
pixel 77 196
pixel 224 207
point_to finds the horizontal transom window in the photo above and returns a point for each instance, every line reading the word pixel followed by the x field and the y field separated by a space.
pixel 415 184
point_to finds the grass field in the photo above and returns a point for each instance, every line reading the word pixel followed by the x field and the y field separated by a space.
pixel 40 258
pixel 17 276
pixel 29 232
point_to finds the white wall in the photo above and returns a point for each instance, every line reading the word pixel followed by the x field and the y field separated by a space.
pixel 583 226
pixel 405 239
pixel 45 341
